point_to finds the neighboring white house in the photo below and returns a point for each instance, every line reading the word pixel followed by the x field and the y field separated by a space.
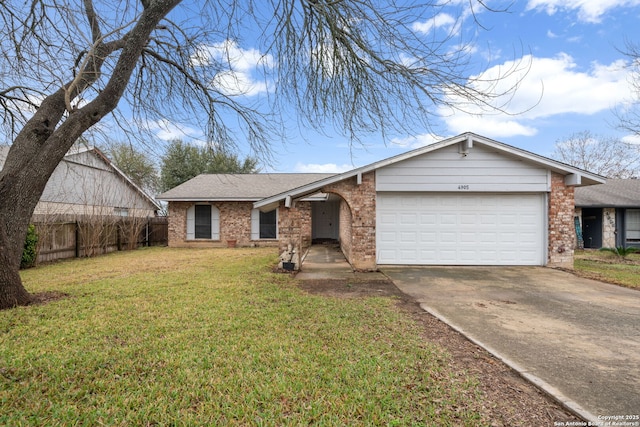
pixel 86 182
pixel 90 207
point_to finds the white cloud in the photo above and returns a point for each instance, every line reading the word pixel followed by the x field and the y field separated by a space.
pixel 494 127
pixel 588 10
pixel 631 139
pixel 167 130
pixel 238 65
pixel 238 83
pixel 416 141
pixel 546 87
pixel 442 20
pixel 322 168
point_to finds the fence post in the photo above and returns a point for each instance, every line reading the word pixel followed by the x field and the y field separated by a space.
pixel 119 225
pixel 77 237
pixel 146 237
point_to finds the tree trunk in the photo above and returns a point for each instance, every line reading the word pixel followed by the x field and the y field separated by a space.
pixel 12 293
pixel 22 182
pixel 45 139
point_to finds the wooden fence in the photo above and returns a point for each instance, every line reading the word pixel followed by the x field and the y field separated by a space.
pixel 65 237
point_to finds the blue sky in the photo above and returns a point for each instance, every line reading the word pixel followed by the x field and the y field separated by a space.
pixel 576 77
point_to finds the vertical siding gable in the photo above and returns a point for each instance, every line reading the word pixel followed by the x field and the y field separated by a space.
pixel 75 183
pixel 482 169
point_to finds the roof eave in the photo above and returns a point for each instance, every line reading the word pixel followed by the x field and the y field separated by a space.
pixel 208 199
pixel 607 205
pixel 585 178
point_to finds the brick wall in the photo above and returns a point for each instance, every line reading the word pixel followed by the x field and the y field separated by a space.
pixel 561 223
pixel 178 223
pixel 235 224
pixel 360 248
pixel 294 226
pixel 345 228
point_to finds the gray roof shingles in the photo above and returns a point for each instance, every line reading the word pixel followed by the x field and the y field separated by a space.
pixel 616 193
pixel 248 187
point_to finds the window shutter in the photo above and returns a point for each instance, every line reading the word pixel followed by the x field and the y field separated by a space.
pixel 191 223
pixel 255 224
pixel 215 223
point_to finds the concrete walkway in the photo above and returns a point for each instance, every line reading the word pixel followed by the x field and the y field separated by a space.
pixel 577 339
pixel 326 261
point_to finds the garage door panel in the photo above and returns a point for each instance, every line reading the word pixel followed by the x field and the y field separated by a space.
pixel 470 237
pixel 447 237
pixel 489 238
pixel 408 237
pixel 409 219
pixel 467 219
pixel 508 238
pixel 471 229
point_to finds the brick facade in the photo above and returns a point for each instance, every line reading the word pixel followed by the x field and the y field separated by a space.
pixel 345 228
pixel 294 226
pixel 235 225
pixel 178 223
pixel 357 216
pixel 357 219
pixel 561 223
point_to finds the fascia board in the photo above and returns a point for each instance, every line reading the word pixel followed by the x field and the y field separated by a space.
pixel 468 138
pixel 208 199
pixel 315 186
pixel 556 166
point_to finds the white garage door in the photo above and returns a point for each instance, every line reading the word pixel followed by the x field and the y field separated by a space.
pixel 455 229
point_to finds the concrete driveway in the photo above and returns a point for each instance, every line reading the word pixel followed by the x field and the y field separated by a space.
pixel 579 339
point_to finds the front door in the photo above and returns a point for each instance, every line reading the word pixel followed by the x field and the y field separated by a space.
pixel 592 228
pixel 325 220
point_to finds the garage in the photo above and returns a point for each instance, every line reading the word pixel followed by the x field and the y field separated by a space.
pixel 461 229
pixel 466 200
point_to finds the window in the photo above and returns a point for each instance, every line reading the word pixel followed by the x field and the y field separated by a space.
pixel 121 211
pixel 633 225
pixel 203 222
pixel 268 225
pixel 264 225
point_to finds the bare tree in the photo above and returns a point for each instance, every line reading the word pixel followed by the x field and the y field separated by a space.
pixel 134 163
pixel 629 115
pixel 605 156
pixel 358 66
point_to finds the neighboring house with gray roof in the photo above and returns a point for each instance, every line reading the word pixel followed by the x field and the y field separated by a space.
pixel 609 213
pixel 466 200
pixel 87 183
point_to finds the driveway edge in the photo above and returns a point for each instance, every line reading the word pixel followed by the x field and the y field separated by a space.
pixel 542 385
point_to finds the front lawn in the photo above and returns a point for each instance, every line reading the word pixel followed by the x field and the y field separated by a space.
pixel 609 267
pixel 212 337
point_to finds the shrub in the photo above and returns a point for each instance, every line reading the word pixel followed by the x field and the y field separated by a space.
pixel 30 253
pixel 621 251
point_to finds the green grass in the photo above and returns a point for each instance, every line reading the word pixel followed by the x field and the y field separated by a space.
pixel 212 337
pixel 609 267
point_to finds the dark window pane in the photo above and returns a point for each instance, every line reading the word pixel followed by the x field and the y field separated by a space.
pixel 203 222
pixel 268 225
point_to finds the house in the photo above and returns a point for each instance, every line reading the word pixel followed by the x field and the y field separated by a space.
pixel 466 200
pixel 609 214
pixel 90 207
pixel 87 183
